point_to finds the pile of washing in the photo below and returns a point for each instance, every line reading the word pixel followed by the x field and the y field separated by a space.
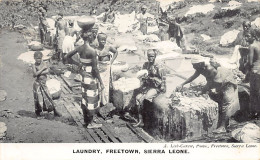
pixel 190 98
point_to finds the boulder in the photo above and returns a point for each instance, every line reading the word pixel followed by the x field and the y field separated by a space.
pixel 19 27
pixel 35 46
pixel 54 87
pixel 205 37
pixel 3 130
pixel 232 5
pixel 148 38
pixel 27 57
pixel 123 92
pixel 249 133
pixel 200 9
pixel 229 38
pixel 256 22
pixel 3 95
pixel 187 119
pixel 119 66
pixel 166 46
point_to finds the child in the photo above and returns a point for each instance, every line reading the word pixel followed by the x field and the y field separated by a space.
pixel 42 98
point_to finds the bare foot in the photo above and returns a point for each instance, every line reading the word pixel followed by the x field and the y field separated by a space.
pixel 94 125
pixel 139 124
pixel 220 130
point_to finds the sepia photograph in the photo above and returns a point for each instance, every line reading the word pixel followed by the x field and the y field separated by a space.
pixel 166 72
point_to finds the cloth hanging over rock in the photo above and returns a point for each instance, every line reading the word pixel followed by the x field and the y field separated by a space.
pixel 27 57
pixel 249 133
pixel 228 38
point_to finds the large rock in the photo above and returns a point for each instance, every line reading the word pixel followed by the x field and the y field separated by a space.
pixel 3 95
pixel 119 66
pixel 191 118
pixel 249 133
pixel 229 38
pixel 27 57
pixel 200 9
pixel 256 22
pixel 123 92
pixel 54 87
pixel 35 46
pixel 3 130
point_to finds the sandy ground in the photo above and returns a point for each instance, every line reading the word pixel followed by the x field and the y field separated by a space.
pixel 16 79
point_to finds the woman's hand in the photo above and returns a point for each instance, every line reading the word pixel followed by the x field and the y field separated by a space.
pixel 102 87
pixel 179 88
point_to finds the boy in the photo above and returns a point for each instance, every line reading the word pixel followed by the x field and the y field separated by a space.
pixel 42 98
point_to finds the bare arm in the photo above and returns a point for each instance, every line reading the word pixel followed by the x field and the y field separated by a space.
pixel 194 76
pixel 251 55
pixel 43 70
pixel 113 50
pixel 95 70
pixel 71 53
pixel 113 18
pixel 78 37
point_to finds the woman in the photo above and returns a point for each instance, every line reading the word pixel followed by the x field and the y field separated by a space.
pixel 253 38
pixel 43 25
pixel 153 84
pixel 90 77
pixel 222 88
pixel 106 53
pixel 70 38
pixel 42 97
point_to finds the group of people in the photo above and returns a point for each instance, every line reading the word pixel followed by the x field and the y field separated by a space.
pixel 221 85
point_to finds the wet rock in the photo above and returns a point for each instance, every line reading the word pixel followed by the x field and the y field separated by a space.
pixel 3 95
pixel 180 118
pixel 3 130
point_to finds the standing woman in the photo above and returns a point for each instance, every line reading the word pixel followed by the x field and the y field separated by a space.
pixel 222 88
pixel 106 56
pixel 90 75
pixel 253 38
pixel 43 24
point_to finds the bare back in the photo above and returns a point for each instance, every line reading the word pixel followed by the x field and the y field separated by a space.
pixel 86 52
pixel 61 24
pixel 256 48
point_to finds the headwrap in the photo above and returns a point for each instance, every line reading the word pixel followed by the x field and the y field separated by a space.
pixel 144 7
pixel 197 60
pixel 37 54
pixel 101 35
pixel 151 52
pixel 60 14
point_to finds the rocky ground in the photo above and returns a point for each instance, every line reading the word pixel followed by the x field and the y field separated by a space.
pixel 17 111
